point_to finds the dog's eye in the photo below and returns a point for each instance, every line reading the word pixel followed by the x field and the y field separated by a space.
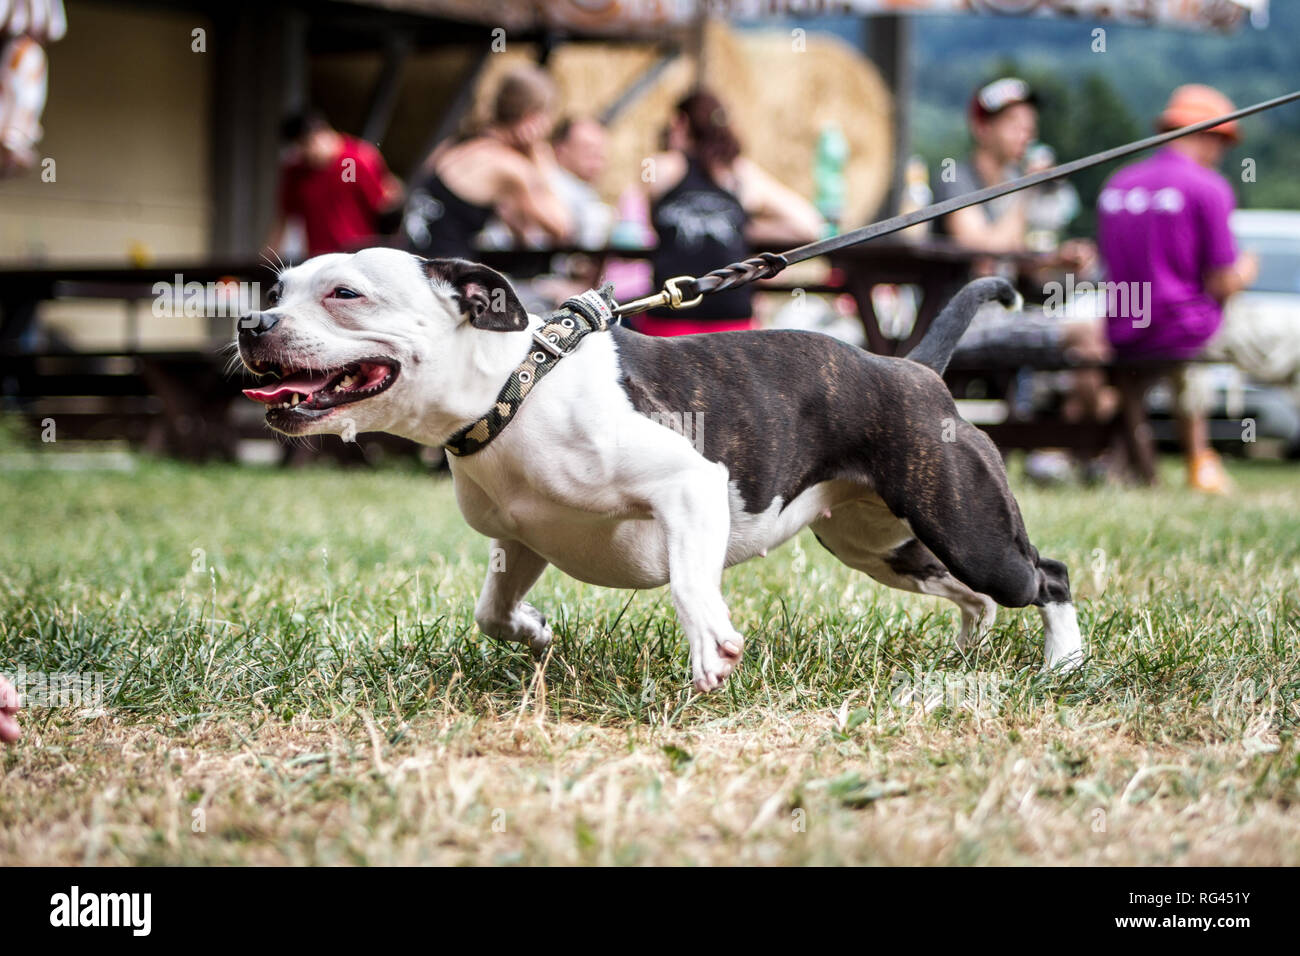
pixel 343 292
pixel 273 297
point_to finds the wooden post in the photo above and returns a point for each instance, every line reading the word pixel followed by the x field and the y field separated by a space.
pixel 383 98
pixel 888 44
pixel 259 69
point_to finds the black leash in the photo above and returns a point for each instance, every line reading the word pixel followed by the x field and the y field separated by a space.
pixel 683 292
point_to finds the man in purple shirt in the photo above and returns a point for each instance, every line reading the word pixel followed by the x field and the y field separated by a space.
pixel 1162 230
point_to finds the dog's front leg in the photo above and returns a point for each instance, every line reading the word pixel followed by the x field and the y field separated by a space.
pixel 501 612
pixel 693 510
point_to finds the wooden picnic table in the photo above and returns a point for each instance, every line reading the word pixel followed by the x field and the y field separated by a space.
pixel 937 267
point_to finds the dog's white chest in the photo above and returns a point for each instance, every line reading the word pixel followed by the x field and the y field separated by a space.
pixel 621 551
pixel 630 549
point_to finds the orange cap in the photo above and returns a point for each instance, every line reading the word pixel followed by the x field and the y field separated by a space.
pixel 1195 103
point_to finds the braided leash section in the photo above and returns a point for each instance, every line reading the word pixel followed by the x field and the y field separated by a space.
pixel 762 266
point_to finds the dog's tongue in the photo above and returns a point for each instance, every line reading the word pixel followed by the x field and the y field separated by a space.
pixel 305 384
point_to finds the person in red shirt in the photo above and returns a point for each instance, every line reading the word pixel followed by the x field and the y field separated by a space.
pixel 338 186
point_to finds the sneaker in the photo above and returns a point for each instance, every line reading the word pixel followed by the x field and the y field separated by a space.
pixel 1205 472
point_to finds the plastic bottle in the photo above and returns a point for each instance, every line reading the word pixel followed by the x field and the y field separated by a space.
pixel 830 158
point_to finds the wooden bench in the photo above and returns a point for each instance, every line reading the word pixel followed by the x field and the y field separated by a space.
pixel 167 402
pixel 179 403
pixel 1130 431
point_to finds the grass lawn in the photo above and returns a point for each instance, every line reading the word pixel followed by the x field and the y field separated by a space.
pixel 291 675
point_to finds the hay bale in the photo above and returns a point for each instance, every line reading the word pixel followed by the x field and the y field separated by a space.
pixel 779 98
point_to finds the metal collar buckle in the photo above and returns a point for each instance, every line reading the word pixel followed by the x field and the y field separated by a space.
pixel 549 344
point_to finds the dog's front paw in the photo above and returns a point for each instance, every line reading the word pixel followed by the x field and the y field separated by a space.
pixel 716 659
pixel 1064 664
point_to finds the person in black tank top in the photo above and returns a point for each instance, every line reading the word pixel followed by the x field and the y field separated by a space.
pixel 700 226
pixel 704 218
pixel 439 224
pixel 505 164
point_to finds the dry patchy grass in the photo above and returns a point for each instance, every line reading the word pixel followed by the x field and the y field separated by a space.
pixel 295 692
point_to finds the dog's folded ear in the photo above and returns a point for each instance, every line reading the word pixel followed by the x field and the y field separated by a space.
pixel 484 295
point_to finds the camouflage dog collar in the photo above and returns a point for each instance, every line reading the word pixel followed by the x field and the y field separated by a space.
pixel 560 333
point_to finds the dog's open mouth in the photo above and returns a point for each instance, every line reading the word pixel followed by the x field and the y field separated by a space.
pixel 305 393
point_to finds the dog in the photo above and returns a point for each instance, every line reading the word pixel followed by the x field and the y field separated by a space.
pixel 582 469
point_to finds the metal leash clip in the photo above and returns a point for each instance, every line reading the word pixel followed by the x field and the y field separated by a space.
pixel 670 296
pixel 675 294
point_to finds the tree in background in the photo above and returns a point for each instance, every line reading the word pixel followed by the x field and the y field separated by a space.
pixel 1092 100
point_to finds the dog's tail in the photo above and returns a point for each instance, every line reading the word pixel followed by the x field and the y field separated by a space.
pixel 937 347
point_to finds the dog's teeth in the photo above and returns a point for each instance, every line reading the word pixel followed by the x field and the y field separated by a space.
pixel 294 400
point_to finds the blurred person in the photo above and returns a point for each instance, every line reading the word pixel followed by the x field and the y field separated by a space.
pixel 708 203
pixel 9 729
pixel 1049 207
pixel 581 151
pixel 503 169
pixel 581 148
pixel 1163 224
pixel 23 87
pixel 1003 121
pixel 337 185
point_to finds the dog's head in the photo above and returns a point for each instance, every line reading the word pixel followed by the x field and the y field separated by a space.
pixel 379 340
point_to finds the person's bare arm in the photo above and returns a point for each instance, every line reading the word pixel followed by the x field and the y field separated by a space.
pixel 777 212
pixel 528 200
pixel 394 192
pixel 514 219
pixel 969 228
pixel 1226 282
pixel 665 171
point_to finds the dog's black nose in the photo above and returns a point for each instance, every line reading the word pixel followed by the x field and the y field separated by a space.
pixel 257 323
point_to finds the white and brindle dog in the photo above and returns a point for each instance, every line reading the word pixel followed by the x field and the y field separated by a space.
pixel 792 429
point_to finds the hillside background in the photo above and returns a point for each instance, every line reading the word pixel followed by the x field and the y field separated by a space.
pixel 1095 100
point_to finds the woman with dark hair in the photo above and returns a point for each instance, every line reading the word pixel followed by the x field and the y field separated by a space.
pixel 708 203
pixel 503 169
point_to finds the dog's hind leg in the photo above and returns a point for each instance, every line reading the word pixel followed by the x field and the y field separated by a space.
pixel 501 612
pixel 956 499
pixel 913 562
pixel 866 537
pixel 1063 644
